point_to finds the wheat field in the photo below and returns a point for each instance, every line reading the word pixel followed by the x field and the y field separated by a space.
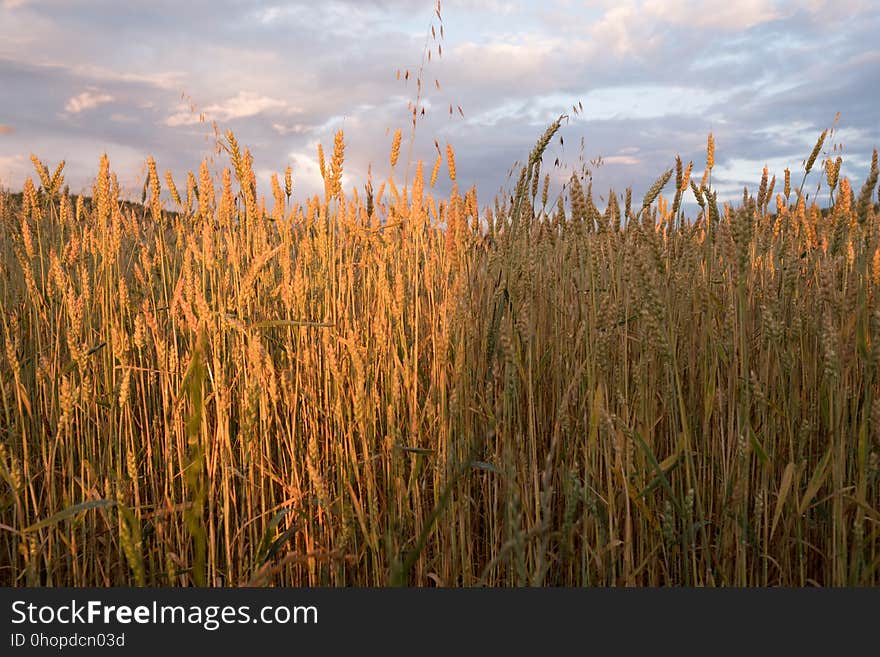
pixel 386 388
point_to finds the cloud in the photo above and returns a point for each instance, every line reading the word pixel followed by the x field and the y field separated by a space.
pixel 730 16
pixel 297 129
pixel 243 105
pixel 10 161
pixel 13 169
pixel 627 160
pixel 306 170
pixel 6 129
pixel 185 115
pixel 616 28
pixel 160 79
pixel 87 100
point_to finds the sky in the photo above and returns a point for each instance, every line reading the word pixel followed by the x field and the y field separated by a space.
pixel 654 77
